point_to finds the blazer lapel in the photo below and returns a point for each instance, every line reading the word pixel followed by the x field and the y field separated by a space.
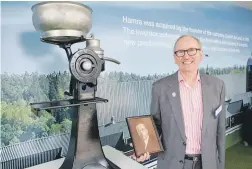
pixel 173 94
pixel 206 100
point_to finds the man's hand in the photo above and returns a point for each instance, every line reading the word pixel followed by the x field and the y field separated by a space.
pixel 142 158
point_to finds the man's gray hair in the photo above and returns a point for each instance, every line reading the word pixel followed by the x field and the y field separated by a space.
pixel 187 35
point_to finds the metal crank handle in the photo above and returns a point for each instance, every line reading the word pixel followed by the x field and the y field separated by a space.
pixel 111 60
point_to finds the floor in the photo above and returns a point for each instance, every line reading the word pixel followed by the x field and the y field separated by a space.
pixel 239 157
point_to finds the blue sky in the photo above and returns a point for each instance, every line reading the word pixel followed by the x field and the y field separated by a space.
pixel 22 50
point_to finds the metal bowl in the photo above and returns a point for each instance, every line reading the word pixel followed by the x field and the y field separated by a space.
pixel 62 21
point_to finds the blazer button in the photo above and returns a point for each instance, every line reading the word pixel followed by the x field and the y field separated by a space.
pixel 184 143
pixel 181 161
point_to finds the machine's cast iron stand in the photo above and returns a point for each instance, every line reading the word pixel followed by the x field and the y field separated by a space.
pixel 85 150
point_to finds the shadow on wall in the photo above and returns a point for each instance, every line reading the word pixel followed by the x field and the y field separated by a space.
pixel 54 57
pixel 33 47
pixel 232 87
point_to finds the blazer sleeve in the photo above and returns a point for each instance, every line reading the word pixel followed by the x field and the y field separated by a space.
pixel 221 131
pixel 155 108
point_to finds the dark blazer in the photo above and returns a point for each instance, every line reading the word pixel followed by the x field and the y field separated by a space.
pixel 153 145
pixel 167 113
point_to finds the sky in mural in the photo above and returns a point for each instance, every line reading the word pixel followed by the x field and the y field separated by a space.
pixel 138 34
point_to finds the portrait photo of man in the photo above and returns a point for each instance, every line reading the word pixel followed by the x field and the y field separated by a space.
pixel 144 136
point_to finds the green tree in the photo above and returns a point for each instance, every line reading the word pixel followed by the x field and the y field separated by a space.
pixel 66 125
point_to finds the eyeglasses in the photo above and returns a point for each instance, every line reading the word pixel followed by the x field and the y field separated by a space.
pixel 190 52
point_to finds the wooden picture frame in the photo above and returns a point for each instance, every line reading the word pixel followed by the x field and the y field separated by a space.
pixel 144 135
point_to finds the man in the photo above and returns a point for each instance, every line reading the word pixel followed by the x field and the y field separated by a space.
pixel 143 134
pixel 148 143
pixel 189 112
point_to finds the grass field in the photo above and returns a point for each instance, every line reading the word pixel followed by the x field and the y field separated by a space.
pixel 233 139
pixel 238 156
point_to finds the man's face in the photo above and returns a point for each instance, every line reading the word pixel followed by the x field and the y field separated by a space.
pixel 142 131
pixel 188 62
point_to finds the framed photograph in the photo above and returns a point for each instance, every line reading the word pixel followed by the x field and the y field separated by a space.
pixel 144 135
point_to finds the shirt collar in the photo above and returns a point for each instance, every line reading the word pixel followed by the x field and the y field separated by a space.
pixel 180 77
